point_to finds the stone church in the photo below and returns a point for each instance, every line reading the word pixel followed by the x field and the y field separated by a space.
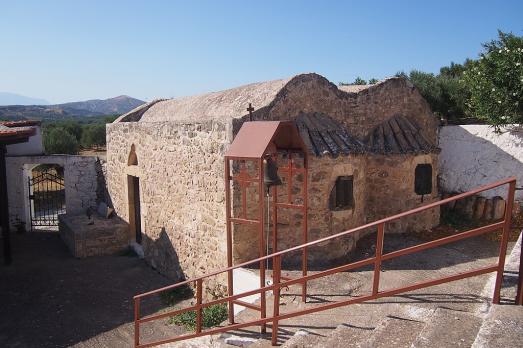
pixel 372 153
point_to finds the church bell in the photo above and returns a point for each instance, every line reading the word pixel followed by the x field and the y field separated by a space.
pixel 270 172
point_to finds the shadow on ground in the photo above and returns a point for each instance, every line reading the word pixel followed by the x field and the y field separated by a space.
pixel 50 299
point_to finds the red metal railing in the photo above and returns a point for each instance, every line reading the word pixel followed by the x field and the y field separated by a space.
pixel 376 260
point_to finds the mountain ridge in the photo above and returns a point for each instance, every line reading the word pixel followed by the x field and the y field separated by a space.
pixel 8 98
pixel 93 107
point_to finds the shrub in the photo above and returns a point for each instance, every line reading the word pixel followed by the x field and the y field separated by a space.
pixel 93 135
pixel 60 141
pixel 495 81
pixel 211 316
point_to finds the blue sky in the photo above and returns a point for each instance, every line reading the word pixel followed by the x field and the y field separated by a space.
pixel 75 50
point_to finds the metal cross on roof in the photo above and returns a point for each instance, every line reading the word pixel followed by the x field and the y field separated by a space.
pixel 250 109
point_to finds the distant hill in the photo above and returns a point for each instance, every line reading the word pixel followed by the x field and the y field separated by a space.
pixel 111 106
pixel 7 98
pixel 96 107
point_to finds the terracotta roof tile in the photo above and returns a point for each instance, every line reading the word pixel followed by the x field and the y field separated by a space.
pixel 324 136
pixel 399 135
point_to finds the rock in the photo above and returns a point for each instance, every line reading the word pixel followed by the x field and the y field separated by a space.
pixel 479 208
pixel 498 209
pixel 239 341
pixel 487 214
pixel 468 209
pixel 104 211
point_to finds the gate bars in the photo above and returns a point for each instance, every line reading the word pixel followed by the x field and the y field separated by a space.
pixel 46 200
pixel 375 260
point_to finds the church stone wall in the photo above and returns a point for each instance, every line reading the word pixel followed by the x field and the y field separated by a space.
pixel 181 169
pixel 358 112
pixel 322 221
pixel 390 190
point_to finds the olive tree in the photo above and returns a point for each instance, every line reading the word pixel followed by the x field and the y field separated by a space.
pixel 57 140
pixel 495 82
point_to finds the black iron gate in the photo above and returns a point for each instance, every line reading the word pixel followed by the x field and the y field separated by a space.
pixel 46 198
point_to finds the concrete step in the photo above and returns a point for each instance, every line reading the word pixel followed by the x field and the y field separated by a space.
pixel 503 327
pixel 448 328
pixel 395 332
pixel 303 339
pixel 346 336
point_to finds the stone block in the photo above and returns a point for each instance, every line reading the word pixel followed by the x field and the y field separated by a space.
pixel 479 208
pixel 498 209
pixel 487 214
pixel 95 237
pixel 468 208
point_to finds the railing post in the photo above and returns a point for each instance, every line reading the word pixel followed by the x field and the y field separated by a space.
pixel 504 240
pixel 519 294
pixel 304 260
pixel 199 305
pixel 136 322
pixel 230 280
pixel 261 219
pixel 276 276
pixel 377 262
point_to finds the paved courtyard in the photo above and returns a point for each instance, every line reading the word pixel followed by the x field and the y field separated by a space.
pixel 50 299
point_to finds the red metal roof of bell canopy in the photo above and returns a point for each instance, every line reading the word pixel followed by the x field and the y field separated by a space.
pixel 254 137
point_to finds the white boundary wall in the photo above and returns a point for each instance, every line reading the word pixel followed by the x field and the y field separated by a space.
pixel 474 155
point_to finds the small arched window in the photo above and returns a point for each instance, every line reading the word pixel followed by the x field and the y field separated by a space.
pixel 341 196
pixel 133 159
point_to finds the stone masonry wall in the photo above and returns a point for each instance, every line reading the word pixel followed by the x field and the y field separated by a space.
pixel 322 222
pixel 390 190
pixel 358 112
pixel 80 180
pixel 180 167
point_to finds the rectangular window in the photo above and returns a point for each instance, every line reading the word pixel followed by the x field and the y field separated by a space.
pixel 423 179
pixel 341 196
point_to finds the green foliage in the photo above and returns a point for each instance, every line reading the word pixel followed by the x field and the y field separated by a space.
pixel 444 92
pixel 373 81
pixel 211 316
pixel 88 131
pixel 359 81
pixel 58 140
pixel 93 135
pixel 495 81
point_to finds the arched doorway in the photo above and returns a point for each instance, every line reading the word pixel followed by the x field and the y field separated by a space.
pixel 46 191
pixel 133 189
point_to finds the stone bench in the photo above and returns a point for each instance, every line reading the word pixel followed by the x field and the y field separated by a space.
pixel 102 237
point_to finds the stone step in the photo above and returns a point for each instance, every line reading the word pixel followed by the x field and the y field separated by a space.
pixel 346 336
pixel 448 328
pixel 397 332
pixel 303 339
pixel 503 327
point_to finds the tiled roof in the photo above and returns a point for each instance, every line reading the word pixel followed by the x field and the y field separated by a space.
pixel 324 136
pixel 11 131
pixel 399 135
pixel 25 123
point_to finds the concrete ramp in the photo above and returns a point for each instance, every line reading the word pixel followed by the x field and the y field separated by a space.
pixel 245 280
